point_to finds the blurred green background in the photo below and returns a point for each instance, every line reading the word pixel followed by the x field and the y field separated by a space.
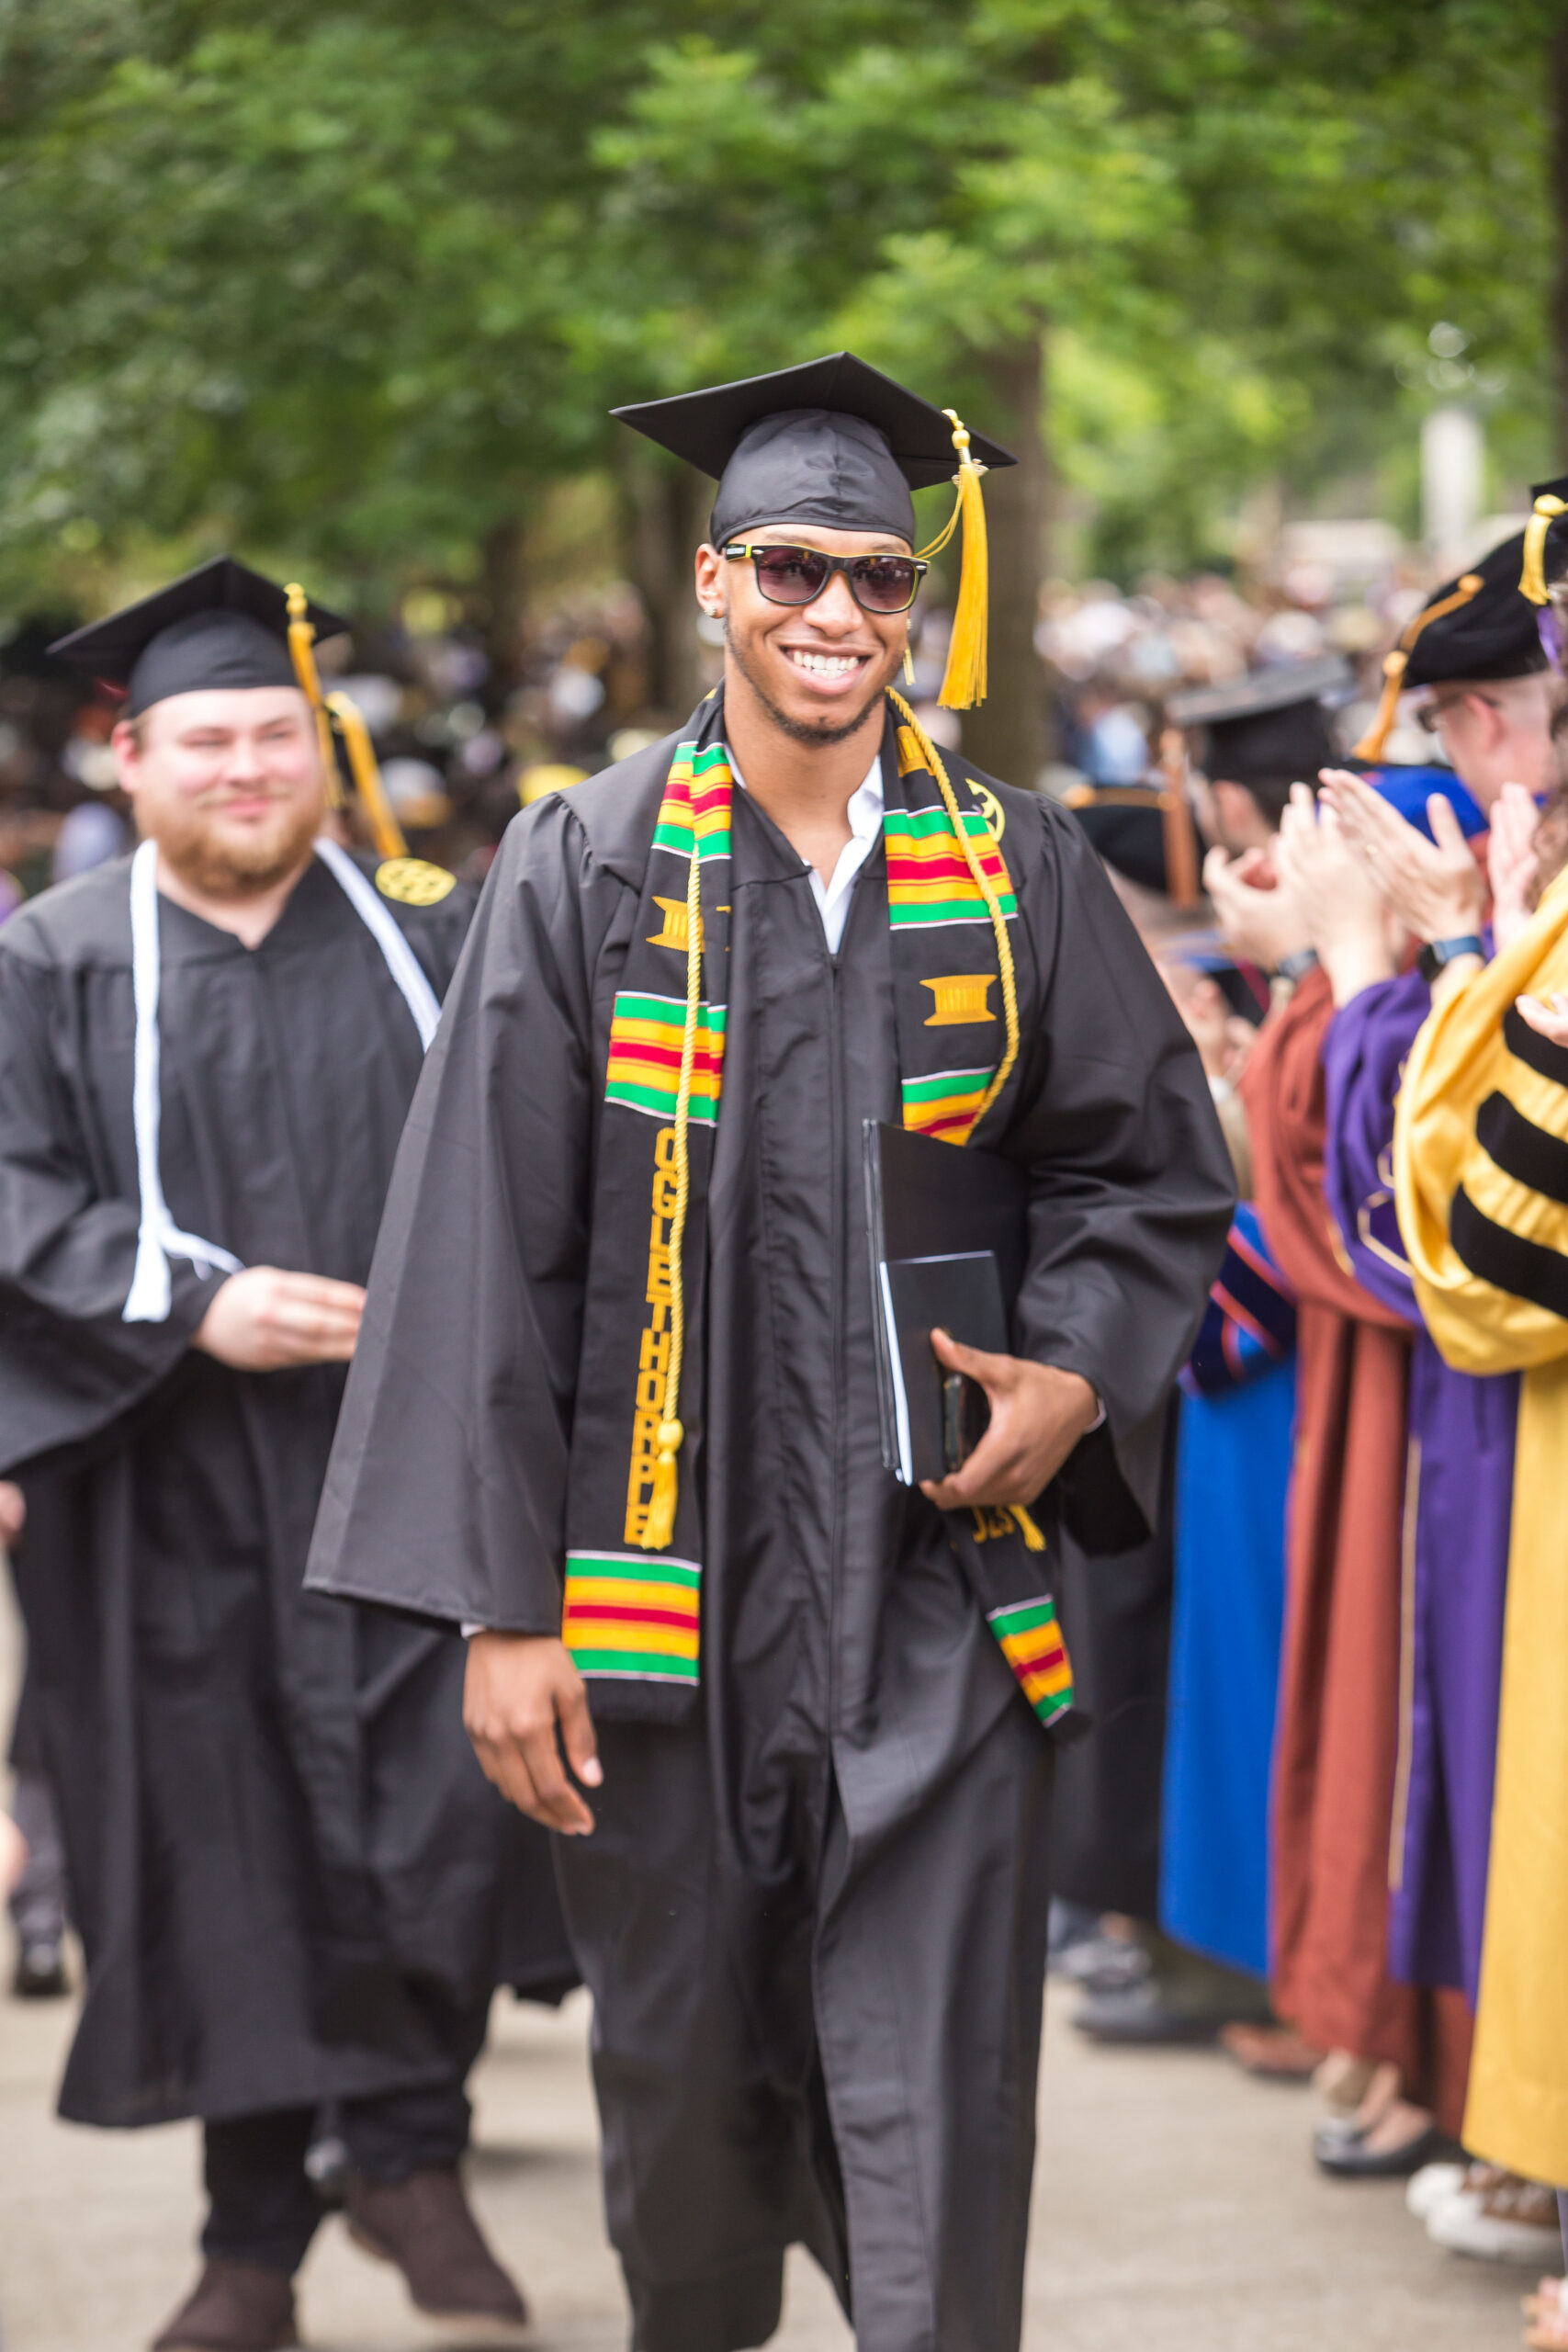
pixel 349 291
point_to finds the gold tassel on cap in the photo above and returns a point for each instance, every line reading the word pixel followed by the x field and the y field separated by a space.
pixel 1371 746
pixel 1532 579
pixel 963 681
pixel 302 653
pixel 385 830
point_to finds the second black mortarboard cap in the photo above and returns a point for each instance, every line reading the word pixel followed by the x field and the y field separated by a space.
pixel 221 624
pixel 831 441
pixel 1270 729
pixel 1482 626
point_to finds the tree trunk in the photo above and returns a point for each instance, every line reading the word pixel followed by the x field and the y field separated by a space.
pixel 667 508
pixel 504 587
pixel 1558 79
pixel 1007 734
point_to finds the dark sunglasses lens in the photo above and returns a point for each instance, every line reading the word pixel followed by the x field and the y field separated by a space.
pixel 791 575
pixel 885 584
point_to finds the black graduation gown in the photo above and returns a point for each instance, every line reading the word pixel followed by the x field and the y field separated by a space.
pixel 280 1844
pixel 813 1918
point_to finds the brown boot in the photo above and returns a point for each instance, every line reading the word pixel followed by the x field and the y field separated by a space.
pixel 237 2307
pixel 425 2226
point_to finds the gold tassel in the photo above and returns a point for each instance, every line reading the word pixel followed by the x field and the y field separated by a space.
pixel 909 668
pixel 1370 747
pixel 1034 1539
pixel 659 1523
pixel 1532 579
pixel 385 830
pixel 302 653
pixel 963 681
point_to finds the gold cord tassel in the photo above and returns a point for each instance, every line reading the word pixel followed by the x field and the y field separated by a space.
pixel 932 759
pixel 302 653
pixel 1532 579
pixel 659 1523
pixel 1371 746
pixel 385 830
pixel 963 681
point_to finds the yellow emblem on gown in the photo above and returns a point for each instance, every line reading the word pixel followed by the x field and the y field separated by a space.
pixel 675 933
pixel 991 808
pixel 412 882
pixel 960 999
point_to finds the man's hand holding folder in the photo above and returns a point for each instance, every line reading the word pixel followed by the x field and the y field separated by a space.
pixel 1038 1414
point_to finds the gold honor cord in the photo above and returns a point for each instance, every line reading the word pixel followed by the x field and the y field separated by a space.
pixel 658 1520
pixel 1532 579
pixel 1371 746
pixel 337 710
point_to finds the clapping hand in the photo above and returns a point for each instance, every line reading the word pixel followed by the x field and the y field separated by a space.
pixel 1338 895
pixel 1259 915
pixel 1433 887
pixel 1550 1019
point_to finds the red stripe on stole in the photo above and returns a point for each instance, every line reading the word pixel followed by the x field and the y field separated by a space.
pixel 1040 1661
pixel 600 1610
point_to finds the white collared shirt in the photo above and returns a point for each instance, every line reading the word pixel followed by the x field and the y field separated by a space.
pixel 865 813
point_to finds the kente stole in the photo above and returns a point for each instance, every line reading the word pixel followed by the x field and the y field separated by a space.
pixel 633 1603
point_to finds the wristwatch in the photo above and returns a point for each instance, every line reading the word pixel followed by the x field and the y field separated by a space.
pixel 1438 952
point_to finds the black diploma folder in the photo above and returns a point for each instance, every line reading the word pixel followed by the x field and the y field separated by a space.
pixel 949 1242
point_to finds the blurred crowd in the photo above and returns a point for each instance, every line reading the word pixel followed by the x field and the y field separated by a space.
pixel 1354 1871
pixel 464 734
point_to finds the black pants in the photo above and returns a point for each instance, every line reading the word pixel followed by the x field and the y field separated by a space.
pixel 260 2205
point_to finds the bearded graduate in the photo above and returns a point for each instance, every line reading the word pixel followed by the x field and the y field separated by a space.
pixel 284 1861
pixel 616 1400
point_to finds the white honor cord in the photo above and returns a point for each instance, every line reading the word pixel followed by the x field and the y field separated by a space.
pixel 402 962
pixel 159 1239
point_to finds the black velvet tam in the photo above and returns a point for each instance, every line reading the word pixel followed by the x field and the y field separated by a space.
pixel 221 624
pixel 832 442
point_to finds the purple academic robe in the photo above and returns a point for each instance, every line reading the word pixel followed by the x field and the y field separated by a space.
pixel 1458 1502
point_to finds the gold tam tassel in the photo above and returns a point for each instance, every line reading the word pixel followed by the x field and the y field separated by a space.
pixel 658 1522
pixel 302 653
pixel 385 830
pixel 1532 579
pixel 963 681
pixel 1371 746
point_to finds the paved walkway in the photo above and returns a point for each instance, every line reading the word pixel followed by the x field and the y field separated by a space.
pixel 1175 2209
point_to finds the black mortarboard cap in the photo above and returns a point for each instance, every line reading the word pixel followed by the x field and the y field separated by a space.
pixel 1483 625
pixel 1270 729
pixel 221 624
pixel 832 442
pixel 1127 827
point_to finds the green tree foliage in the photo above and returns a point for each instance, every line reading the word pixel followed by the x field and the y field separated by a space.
pixel 360 283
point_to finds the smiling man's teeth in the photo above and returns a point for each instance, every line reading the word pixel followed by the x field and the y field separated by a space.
pixel 826 665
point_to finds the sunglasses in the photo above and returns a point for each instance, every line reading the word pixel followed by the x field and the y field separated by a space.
pixel 879 583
